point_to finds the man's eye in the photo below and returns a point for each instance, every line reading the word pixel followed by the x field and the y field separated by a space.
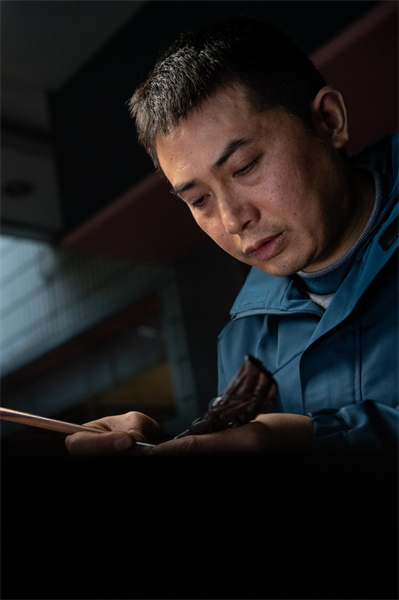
pixel 199 203
pixel 247 168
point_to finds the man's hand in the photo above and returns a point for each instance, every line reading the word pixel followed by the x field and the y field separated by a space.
pixel 266 432
pixel 121 433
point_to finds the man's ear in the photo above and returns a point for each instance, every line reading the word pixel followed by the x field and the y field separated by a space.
pixel 329 114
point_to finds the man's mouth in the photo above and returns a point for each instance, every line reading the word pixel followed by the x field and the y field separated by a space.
pixel 266 248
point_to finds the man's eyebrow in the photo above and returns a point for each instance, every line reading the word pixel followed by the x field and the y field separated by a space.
pixel 183 187
pixel 229 149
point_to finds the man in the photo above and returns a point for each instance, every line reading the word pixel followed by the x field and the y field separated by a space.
pixel 253 140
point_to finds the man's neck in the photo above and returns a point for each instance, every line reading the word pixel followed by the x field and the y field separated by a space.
pixel 360 204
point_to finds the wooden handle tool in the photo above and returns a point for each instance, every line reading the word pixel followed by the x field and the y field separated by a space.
pixel 16 416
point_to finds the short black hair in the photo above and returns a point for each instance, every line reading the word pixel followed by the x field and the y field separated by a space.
pixel 273 71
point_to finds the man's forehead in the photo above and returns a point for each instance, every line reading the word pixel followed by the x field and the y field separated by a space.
pixel 210 122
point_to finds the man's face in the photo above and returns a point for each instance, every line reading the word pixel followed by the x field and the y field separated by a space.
pixel 269 193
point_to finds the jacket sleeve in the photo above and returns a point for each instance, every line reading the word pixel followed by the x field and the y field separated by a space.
pixel 368 425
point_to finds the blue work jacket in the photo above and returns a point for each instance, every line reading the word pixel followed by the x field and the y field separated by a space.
pixel 339 366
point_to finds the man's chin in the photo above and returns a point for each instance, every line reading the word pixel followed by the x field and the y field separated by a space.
pixel 277 270
pixel 274 266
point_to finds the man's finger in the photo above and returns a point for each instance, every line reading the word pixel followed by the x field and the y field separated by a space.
pixel 102 444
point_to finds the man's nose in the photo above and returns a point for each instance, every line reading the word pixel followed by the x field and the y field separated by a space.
pixel 236 215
